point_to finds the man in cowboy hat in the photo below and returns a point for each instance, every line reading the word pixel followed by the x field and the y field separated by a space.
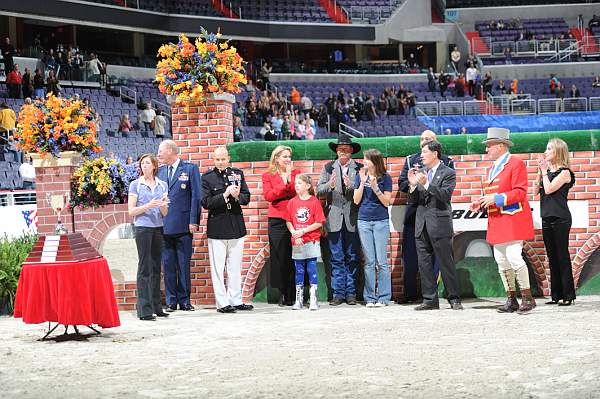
pixel 336 187
pixel 409 246
pixel 509 218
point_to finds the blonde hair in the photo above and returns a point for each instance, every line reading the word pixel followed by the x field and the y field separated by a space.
pixel 561 153
pixel 308 180
pixel 276 154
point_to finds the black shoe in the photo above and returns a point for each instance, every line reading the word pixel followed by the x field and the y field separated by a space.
pixel 552 302
pixel 171 308
pixel 426 306
pixel 148 318
pixel 244 306
pixel 281 300
pixel 566 302
pixel 351 299
pixel 407 299
pixel 337 302
pixel 456 305
pixel 187 308
pixel 226 309
pixel 162 314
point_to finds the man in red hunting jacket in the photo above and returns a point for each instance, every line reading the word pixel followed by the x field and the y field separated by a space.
pixel 509 218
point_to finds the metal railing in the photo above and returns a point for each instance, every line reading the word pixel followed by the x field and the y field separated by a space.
pixel 549 105
pixel 577 104
pixel 125 93
pixel 475 107
pixel 447 108
pixel 498 104
pixel 523 106
pixel 555 48
pixel 350 131
pixel 24 197
pixel 594 103
pixel 429 108
pixel 159 105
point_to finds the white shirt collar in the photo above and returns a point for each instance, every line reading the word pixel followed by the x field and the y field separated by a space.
pixel 175 165
pixel 501 159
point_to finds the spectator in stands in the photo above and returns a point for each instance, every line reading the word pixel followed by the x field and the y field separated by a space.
pixel 8 52
pixel 322 116
pixel 370 111
pixel 27 85
pixel 594 22
pixel 443 80
pixel 559 91
pixel 125 125
pixel 411 101
pixel 575 91
pixel 501 88
pixel 241 111
pixel 64 64
pixel 487 83
pixel 463 130
pixel 77 64
pixel 393 103
pixel 14 80
pixel 39 85
pixel 459 86
pixel 507 56
pixel 412 63
pixel 267 133
pixel 265 74
pixel 238 129
pixel 11 148
pixel 471 77
pixel 8 118
pixel 514 87
pixel 455 58
pixel 596 82
pixel 94 66
pixel 129 160
pixel 277 123
pixel 553 83
pixel 52 85
pixel 147 116
pixel 295 97
pixel 160 123
pixel 27 172
pixel 493 25
pixel 305 104
pixel 49 61
pixel 500 25
pixel 341 97
pixel 431 80
pixel 471 61
pixel 382 106
pixel 309 128
pixel 359 105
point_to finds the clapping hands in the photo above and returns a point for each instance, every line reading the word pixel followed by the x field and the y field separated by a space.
pixel 542 163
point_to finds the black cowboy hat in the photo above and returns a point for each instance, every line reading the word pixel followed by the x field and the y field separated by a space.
pixel 344 139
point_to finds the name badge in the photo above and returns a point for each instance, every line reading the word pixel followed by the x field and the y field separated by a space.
pixel 184 177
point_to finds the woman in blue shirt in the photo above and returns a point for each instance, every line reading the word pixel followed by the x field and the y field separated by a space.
pixel 148 203
pixel 373 195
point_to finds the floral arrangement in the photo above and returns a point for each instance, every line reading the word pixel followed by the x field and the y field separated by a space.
pixel 100 181
pixel 191 71
pixel 54 124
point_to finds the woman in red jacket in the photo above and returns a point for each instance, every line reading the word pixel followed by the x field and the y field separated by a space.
pixel 278 189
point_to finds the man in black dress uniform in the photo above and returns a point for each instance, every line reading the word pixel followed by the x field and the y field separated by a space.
pixel 224 191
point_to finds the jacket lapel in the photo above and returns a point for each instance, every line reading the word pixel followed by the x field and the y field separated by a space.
pixel 495 172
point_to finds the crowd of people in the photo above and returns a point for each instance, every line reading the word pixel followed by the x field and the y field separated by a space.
pixel 166 203
pixel 148 120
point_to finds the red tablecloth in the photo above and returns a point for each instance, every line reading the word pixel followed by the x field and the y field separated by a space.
pixel 79 293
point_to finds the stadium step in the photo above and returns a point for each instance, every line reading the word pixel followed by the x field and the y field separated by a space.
pixel 478 46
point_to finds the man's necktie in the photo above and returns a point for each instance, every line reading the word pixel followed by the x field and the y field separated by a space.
pixel 430 175
pixel 170 174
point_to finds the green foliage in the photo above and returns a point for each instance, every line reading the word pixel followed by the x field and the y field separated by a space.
pixel 591 287
pixel 13 252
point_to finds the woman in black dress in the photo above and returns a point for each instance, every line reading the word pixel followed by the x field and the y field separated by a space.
pixel 555 179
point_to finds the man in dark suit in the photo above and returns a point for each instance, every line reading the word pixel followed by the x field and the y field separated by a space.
pixel 183 179
pixel 431 189
pixel 409 249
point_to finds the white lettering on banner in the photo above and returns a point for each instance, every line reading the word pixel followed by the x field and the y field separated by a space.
pixel 465 220
pixel 18 220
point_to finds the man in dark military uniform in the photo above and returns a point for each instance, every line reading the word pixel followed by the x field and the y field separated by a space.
pixel 224 191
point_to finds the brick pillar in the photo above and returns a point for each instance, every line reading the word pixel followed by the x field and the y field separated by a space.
pixel 197 129
pixel 52 186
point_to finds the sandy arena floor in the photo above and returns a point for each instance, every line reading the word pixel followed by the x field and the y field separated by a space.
pixel 343 352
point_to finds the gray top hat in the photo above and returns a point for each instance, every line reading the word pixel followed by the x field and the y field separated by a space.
pixel 498 135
